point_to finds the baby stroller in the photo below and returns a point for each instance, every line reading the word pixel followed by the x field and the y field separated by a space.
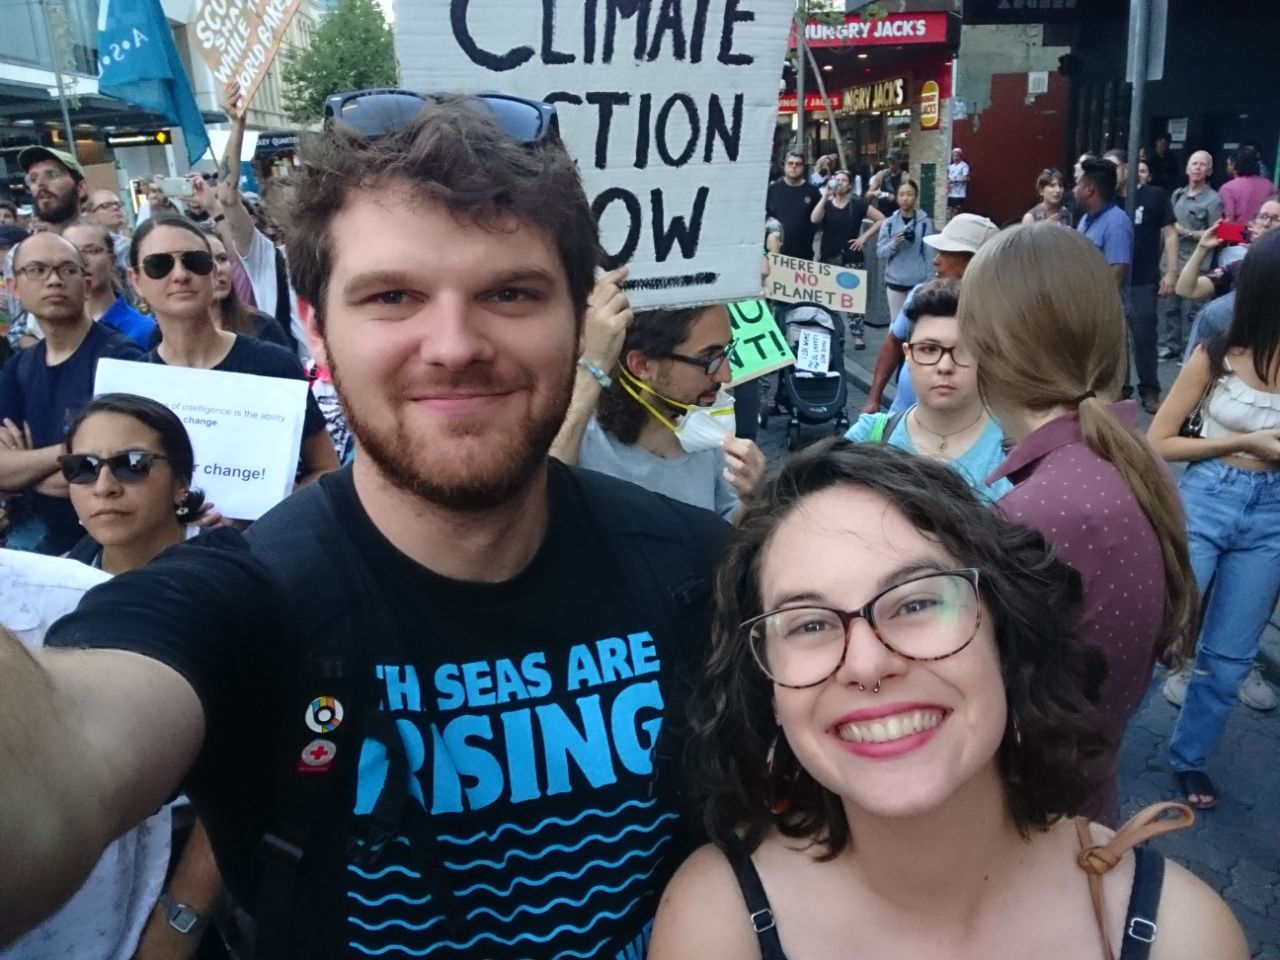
pixel 814 390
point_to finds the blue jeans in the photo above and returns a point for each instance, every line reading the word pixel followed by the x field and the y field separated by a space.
pixel 1233 531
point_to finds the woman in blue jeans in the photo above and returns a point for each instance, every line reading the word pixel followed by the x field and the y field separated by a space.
pixel 1231 494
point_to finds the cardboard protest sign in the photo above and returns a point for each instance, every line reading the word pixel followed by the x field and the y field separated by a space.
pixel 760 346
pixel 246 431
pixel 238 39
pixel 813 352
pixel 668 108
pixel 806 281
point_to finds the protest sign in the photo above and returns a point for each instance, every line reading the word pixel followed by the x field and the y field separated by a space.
pixel 760 347
pixel 813 352
pixel 807 281
pixel 668 108
pixel 238 39
pixel 246 430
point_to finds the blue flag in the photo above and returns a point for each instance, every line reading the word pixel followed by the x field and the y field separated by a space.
pixel 138 62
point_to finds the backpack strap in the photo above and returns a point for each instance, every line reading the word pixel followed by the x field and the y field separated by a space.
pixel 759 910
pixel 1097 859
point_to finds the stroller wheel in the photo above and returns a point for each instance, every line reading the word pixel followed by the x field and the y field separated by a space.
pixel 793 437
pixel 842 425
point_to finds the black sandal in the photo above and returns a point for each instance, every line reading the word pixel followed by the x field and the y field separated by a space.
pixel 1196 783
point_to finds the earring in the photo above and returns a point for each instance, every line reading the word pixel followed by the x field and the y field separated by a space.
pixel 182 510
pixel 1017 732
pixel 775 795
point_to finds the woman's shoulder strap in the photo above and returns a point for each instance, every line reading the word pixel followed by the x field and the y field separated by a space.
pixel 758 909
pixel 1097 859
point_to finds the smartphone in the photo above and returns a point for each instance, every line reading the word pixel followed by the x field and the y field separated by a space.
pixel 177 187
pixel 1230 232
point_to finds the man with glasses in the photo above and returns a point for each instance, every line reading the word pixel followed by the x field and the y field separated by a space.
pixel 44 385
pixel 662 417
pixel 430 705
pixel 105 303
pixel 790 201
pixel 107 208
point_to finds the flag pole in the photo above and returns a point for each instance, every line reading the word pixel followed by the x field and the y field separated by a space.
pixel 57 73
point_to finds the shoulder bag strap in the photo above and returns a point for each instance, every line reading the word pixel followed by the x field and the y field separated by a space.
pixel 1096 859
pixel 758 908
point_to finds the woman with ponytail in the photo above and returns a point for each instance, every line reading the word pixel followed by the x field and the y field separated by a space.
pixel 1042 317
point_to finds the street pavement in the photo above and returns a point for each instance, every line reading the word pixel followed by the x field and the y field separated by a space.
pixel 1235 848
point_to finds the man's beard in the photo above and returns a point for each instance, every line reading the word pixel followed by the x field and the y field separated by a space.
pixel 63 209
pixel 509 470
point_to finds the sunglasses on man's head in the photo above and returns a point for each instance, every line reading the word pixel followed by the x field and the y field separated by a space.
pixel 157 266
pixel 378 112
pixel 131 466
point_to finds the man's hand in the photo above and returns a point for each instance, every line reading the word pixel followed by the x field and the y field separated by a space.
pixel 1167 283
pixel 14 437
pixel 872 405
pixel 609 315
pixel 744 465
pixel 233 103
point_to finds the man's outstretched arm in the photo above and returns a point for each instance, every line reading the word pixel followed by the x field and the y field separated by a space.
pixel 91 743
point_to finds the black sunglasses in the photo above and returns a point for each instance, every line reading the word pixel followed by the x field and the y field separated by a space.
pixel 132 466
pixel 377 112
pixel 157 266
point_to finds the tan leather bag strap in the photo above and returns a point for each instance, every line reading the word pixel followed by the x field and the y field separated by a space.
pixel 1096 859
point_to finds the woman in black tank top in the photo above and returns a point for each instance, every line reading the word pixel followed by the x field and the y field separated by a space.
pixel 892 739
pixel 840 214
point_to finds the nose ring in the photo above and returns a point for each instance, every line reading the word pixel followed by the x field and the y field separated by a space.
pixel 875 689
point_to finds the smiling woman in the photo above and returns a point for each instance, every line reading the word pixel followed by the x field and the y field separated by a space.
pixel 893 735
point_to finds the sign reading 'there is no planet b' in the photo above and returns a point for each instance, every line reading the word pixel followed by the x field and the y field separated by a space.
pixel 667 107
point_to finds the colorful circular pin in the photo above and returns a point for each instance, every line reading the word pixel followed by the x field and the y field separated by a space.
pixel 324 714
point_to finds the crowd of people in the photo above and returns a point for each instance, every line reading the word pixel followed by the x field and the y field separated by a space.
pixel 554 666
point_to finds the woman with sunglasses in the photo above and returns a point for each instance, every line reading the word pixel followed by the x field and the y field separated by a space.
pixel 171 267
pixel 1051 187
pixel 128 464
pixel 890 739
pixel 948 421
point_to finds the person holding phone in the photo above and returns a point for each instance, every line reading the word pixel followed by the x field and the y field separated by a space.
pixel 901 249
pixel 840 212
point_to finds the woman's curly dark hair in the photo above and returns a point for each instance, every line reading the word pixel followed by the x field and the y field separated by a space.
pixel 1033 600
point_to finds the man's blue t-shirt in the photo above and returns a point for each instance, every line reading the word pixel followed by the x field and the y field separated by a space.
pixel 1111 231
pixel 975 464
pixel 45 398
pixel 122 318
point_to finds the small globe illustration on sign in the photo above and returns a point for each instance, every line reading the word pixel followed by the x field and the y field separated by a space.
pixel 849 281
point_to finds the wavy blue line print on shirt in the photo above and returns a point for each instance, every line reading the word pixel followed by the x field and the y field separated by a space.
pixel 398 897
pixel 546 938
pixel 560 875
pixel 560 848
pixel 394 868
pixel 562 955
pixel 530 831
pixel 375 927
pixel 562 901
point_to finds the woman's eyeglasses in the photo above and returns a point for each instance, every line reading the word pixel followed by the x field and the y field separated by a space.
pixel 157 266
pixel 711 364
pixel 131 466
pixel 378 112
pixel 929 354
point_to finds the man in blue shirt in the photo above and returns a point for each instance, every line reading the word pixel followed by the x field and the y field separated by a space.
pixel 42 387
pixel 105 304
pixel 1104 223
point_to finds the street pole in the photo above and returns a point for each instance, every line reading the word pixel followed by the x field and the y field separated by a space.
pixel 1139 43
pixel 57 73
pixel 802 144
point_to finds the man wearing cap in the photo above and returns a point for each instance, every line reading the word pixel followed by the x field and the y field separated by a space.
pixel 953 248
pixel 57 184
pixel 883 188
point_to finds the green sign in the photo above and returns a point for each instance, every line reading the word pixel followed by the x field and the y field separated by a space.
pixel 760 346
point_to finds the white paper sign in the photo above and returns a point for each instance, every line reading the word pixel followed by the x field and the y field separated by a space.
pixel 246 431
pixel 813 353
pixel 668 107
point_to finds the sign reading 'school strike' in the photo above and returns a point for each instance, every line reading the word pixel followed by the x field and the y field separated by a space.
pixel 246 431
pixel 668 108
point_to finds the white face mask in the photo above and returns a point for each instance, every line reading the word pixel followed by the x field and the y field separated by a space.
pixel 705 428
pixel 698 428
